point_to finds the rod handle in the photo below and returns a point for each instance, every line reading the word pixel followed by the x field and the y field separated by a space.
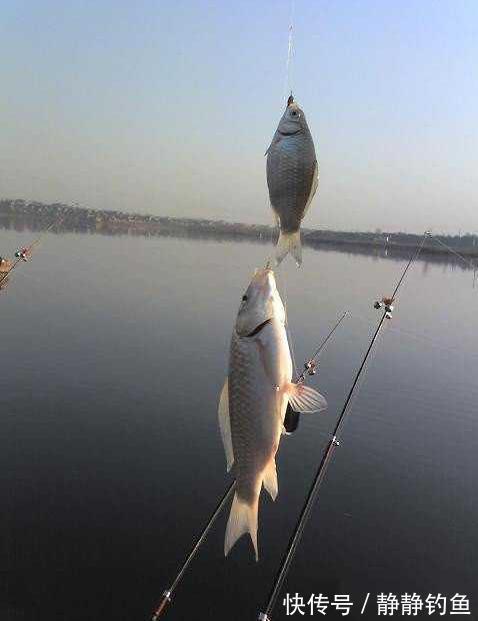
pixel 162 606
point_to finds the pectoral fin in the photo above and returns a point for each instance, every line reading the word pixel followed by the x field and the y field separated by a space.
pixel 225 425
pixel 305 399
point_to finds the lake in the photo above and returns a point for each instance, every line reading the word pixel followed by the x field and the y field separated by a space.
pixel 114 352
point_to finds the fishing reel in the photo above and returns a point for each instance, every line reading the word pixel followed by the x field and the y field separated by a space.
pixel 22 254
pixel 386 304
pixel 311 367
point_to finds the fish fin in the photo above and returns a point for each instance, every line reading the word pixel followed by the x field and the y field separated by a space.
pixel 313 187
pixel 270 479
pixel 225 425
pixel 289 242
pixel 274 139
pixel 305 399
pixel 242 519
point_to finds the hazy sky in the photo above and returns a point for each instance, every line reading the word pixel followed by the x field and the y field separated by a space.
pixel 168 106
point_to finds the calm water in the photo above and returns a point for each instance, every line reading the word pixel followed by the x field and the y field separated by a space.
pixel 114 352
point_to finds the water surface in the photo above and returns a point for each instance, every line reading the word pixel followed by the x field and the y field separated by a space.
pixel 115 350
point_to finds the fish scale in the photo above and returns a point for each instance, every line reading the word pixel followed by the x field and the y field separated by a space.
pixel 255 422
pixel 292 178
pixel 290 172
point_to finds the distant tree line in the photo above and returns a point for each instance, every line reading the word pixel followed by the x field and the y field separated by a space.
pixel 37 216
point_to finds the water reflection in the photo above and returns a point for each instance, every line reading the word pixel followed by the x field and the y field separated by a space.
pixel 430 254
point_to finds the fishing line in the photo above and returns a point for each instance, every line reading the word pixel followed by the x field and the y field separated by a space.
pixel 431 342
pixel 468 262
pixel 290 51
pixel 334 442
pixel 419 336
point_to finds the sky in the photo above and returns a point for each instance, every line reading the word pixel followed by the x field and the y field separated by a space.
pixel 168 107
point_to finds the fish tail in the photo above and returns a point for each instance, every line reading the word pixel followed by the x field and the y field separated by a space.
pixel 242 519
pixel 289 243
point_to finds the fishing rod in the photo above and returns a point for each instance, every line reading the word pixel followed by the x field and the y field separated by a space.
pixel 168 594
pixel 334 442
pixel 166 598
pixel 292 418
pixel 26 252
pixel 6 274
pixel 310 367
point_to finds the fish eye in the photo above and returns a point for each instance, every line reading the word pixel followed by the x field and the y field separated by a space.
pixel 294 113
pixel 244 298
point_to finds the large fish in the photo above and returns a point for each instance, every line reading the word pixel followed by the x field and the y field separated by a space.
pixel 292 177
pixel 254 400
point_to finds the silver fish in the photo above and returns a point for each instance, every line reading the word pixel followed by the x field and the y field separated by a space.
pixel 254 400
pixel 292 178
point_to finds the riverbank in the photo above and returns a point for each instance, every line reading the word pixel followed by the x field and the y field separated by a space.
pixel 37 216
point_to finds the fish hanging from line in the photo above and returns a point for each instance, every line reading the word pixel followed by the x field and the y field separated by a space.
pixel 292 178
pixel 254 400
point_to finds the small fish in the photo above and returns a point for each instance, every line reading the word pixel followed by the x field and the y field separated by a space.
pixel 254 400
pixel 292 178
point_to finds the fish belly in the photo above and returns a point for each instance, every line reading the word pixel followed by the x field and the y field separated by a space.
pixel 291 163
pixel 256 408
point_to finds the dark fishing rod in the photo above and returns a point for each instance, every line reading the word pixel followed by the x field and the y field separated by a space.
pixel 309 369
pixel 292 418
pixel 387 305
pixel 311 365
pixel 168 594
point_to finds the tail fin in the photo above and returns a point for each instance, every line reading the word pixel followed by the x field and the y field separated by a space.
pixel 289 242
pixel 242 519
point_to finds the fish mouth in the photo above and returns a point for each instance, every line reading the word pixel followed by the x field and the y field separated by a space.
pixel 259 328
pixel 290 133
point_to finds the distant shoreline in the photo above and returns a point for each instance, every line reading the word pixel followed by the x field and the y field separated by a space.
pixel 38 216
